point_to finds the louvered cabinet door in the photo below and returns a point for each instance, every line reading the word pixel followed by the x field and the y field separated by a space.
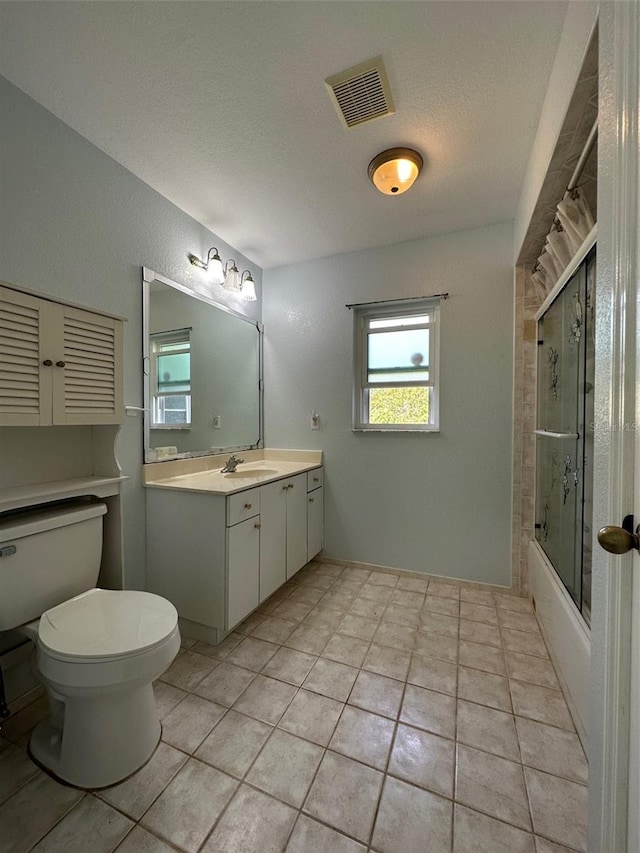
pixel 88 374
pixel 25 382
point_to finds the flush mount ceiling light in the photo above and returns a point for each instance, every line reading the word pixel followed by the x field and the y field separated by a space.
pixel 213 265
pixel 394 171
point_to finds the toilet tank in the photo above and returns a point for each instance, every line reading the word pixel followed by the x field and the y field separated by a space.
pixel 47 555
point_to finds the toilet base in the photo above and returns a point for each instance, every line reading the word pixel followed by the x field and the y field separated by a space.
pixel 93 742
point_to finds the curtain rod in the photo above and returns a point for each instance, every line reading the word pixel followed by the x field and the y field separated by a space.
pixel 405 299
pixel 584 156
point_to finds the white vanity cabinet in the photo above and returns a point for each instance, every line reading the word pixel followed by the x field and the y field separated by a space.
pixel 216 557
pixel 315 512
pixel 283 532
pixel 243 569
pixel 58 364
pixel 242 555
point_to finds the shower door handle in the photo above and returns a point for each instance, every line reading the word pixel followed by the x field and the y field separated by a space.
pixel 617 540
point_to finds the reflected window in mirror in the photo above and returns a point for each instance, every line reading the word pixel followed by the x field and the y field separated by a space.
pixel 171 379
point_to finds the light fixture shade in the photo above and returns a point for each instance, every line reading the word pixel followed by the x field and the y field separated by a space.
pixel 212 266
pixel 248 287
pixel 394 171
pixel 215 269
pixel 232 276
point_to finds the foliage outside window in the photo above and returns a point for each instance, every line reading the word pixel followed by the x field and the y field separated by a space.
pixel 396 366
pixel 171 379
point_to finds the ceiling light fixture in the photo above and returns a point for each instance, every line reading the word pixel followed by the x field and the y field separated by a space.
pixel 248 287
pixel 213 265
pixel 231 276
pixel 394 171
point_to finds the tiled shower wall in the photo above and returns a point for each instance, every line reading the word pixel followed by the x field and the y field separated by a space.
pixel 524 423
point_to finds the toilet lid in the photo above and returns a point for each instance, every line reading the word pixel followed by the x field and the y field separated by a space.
pixel 103 623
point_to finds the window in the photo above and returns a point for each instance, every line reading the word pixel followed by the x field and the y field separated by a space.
pixel 171 379
pixel 396 366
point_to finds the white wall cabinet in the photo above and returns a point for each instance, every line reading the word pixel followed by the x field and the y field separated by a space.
pixel 58 364
pixel 217 558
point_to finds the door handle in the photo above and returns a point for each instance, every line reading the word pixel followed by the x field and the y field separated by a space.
pixel 617 540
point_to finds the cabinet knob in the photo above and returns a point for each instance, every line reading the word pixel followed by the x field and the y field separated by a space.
pixel 316 479
pixel 290 486
pixel 60 363
pixel 257 525
pixel 284 488
pixel 247 506
pixel 47 362
pixel 310 500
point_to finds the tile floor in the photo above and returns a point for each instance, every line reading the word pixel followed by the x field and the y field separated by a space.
pixel 354 712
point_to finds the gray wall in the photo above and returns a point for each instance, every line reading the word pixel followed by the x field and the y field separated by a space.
pixel 77 226
pixel 437 503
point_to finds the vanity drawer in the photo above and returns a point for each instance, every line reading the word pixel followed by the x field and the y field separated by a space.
pixel 242 505
pixel 314 479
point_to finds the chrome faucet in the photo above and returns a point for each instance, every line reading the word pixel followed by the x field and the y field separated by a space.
pixel 231 465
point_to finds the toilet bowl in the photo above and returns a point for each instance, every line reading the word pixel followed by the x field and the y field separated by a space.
pixel 98 655
pixel 98 651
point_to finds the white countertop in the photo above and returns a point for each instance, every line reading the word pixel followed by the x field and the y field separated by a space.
pixel 259 467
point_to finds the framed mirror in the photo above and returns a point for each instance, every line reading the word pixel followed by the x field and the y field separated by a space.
pixel 202 374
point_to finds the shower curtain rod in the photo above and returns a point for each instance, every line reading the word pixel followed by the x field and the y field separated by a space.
pixel 405 299
pixel 586 151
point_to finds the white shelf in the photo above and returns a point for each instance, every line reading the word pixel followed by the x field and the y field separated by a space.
pixel 18 497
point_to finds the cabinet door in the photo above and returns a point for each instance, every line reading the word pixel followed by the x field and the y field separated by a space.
pixel 315 519
pixel 25 382
pixel 296 523
pixel 87 372
pixel 243 554
pixel 273 537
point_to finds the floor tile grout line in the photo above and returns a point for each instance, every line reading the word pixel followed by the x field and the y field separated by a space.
pixel 157 797
pixel 68 811
pixel 386 770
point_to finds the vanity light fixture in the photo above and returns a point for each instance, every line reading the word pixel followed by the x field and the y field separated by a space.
pixel 231 276
pixel 248 287
pixel 213 265
pixel 394 171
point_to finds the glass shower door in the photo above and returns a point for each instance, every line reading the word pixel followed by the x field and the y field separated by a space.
pixel 560 433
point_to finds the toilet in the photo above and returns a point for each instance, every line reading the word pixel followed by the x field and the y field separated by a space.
pixel 98 650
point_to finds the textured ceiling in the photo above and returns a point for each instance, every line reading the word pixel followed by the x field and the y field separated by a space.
pixel 222 108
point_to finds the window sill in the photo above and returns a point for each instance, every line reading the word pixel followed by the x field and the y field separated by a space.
pixel 425 431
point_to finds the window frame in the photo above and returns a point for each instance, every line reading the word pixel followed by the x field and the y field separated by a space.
pixel 363 315
pixel 156 339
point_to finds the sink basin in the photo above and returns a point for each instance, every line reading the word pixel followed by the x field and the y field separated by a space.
pixel 251 473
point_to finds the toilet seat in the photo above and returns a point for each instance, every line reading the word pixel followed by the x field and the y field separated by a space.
pixel 102 625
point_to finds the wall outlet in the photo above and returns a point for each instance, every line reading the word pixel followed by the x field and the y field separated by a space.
pixel 217 421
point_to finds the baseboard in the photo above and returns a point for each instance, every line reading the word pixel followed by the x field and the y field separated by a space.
pixel 373 567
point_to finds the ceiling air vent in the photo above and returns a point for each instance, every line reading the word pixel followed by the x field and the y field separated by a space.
pixel 362 93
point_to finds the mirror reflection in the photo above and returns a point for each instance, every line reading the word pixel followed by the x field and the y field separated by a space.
pixel 202 374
